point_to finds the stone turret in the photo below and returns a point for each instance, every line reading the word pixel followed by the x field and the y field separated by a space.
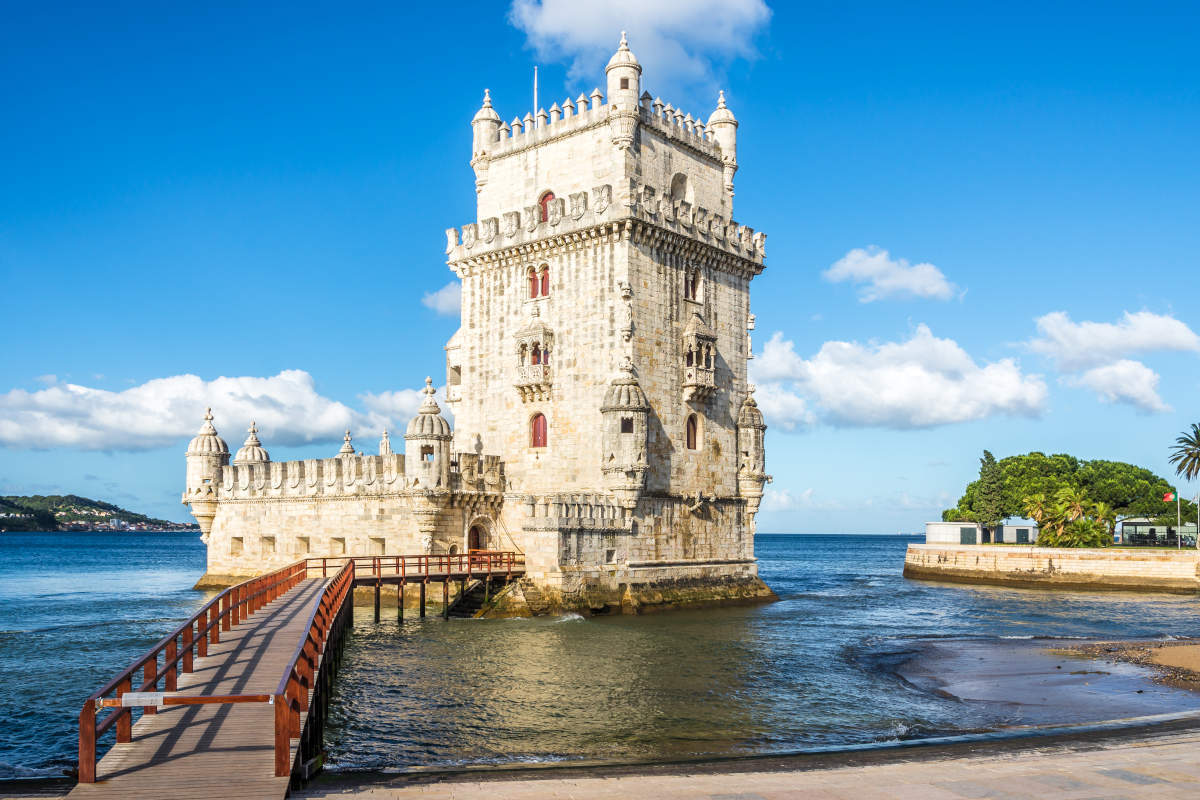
pixel 722 125
pixel 485 128
pixel 427 445
pixel 624 84
pixel 347 448
pixel 206 455
pixel 251 451
pixel 385 444
pixel 752 456
pixel 625 412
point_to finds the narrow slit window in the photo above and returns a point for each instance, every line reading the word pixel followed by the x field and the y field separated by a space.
pixel 692 431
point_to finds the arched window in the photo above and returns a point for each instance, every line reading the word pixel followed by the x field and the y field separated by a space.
pixel 545 281
pixel 691 358
pixel 533 283
pixel 546 356
pixel 545 202
pixel 696 285
pixel 524 354
pixel 536 357
pixel 537 430
pixel 692 432
pixel 708 357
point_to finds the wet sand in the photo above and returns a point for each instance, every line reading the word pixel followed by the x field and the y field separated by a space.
pixel 1174 664
pixel 1042 682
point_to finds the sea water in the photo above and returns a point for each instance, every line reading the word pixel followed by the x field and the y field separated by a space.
pixel 816 668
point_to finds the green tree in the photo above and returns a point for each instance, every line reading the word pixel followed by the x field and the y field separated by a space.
pixel 1186 456
pixel 989 498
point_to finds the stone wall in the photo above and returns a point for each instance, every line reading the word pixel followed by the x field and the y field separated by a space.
pixel 1113 568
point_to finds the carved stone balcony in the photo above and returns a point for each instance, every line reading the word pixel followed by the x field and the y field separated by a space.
pixel 699 383
pixel 533 382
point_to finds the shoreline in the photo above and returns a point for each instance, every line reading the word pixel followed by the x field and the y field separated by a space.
pixel 1175 663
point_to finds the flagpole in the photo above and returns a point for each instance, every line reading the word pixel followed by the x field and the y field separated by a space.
pixel 1178 522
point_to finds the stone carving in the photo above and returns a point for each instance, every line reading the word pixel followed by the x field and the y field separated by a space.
pixel 512 221
pixel 602 198
pixel 491 226
pixel 626 310
pixel 578 204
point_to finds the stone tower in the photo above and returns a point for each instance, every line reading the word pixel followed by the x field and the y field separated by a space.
pixel 605 236
pixel 603 423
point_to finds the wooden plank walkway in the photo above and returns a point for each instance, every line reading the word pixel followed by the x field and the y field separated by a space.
pixel 216 752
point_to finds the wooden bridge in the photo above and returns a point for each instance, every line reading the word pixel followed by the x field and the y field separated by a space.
pixel 233 702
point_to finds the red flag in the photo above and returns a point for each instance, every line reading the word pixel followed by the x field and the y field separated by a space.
pixel 1168 497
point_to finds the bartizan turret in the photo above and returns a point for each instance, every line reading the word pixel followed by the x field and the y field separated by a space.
pixel 723 127
pixel 206 455
pixel 485 128
pixel 625 413
pixel 752 456
pixel 427 445
pixel 624 75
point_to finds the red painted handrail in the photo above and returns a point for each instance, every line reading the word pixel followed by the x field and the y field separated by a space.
pixel 231 607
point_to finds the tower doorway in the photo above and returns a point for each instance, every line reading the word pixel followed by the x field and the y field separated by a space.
pixel 476 538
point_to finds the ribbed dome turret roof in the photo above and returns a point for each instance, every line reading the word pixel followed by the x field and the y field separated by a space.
pixel 429 422
pixel 486 111
pixel 207 442
pixel 251 451
pixel 722 114
pixel 624 392
pixel 749 416
pixel 624 57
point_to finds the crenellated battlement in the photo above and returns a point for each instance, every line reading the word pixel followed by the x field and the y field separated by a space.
pixel 679 127
pixel 581 211
pixel 587 112
pixel 349 476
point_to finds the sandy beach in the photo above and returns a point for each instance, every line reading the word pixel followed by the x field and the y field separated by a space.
pixel 1175 663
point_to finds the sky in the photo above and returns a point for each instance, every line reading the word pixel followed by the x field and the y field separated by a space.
pixel 983 227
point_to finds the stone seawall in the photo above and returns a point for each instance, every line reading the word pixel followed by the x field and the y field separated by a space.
pixel 1113 569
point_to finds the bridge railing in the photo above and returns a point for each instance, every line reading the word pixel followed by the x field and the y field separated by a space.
pixel 190 640
pixel 302 673
pixel 436 567
pixel 177 651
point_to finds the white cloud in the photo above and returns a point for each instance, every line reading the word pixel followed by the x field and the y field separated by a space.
pixel 783 499
pixel 1124 381
pixel 886 277
pixel 167 411
pixel 401 405
pixel 446 301
pixel 680 44
pixel 783 407
pixel 1080 345
pixel 919 383
pixel 47 380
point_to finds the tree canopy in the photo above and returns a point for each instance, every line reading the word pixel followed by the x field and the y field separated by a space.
pixel 1127 490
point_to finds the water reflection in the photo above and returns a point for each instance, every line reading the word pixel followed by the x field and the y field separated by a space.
pixel 813 669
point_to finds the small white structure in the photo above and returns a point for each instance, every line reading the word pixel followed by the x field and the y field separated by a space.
pixel 974 533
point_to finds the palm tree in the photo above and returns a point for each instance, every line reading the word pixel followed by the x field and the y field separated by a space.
pixel 1073 501
pixel 1106 515
pixel 1035 507
pixel 1186 456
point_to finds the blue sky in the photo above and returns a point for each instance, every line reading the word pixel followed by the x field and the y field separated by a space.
pixel 258 192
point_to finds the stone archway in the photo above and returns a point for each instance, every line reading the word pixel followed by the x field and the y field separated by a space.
pixel 479 535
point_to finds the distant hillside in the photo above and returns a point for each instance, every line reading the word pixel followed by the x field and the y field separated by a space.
pixel 74 513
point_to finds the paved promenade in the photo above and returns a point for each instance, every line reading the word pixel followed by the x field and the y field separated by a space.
pixel 1161 767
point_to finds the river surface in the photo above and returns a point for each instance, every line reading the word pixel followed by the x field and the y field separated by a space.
pixel 818 668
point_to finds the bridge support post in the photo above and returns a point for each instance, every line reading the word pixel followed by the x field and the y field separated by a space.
pixel 377 587
pixel 400 602
pixel 446 598
pixel 422 599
